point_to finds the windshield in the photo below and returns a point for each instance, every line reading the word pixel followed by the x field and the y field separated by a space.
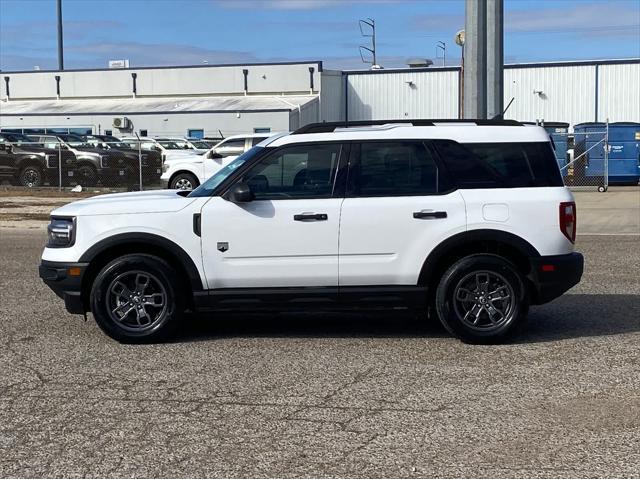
pixel 201 145
pixel 172 145
pixel 15 138
pixel 207 188
pixel 73 140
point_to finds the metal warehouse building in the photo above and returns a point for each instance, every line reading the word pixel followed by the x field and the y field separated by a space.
pixel 202 100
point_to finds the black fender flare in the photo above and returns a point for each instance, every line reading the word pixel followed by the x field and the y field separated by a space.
pixel 147 239
pixel 470 238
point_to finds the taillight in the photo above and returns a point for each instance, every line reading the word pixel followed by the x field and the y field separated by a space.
pixel 568 220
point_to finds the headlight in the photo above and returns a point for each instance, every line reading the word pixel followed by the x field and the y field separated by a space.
pixel 165 167
pixel 104 161
pixel 61 232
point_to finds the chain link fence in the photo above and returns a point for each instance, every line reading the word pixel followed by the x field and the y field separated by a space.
pixel 597 155
pixel 593 156
pixel 588 161
pixel 90 161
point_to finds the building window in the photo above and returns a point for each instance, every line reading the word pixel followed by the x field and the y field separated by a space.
pixel 143 133
pixel 108 132
pixel 81 131
pixel 262 130
pixel 197 133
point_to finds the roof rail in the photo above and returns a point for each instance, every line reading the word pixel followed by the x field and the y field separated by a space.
pixel 329 127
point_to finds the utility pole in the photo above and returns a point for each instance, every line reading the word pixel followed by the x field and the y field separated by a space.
pixel 60 47
pixel 495 57
pixel 475 61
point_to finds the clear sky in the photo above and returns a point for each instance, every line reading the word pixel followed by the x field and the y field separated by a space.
pixel 180 32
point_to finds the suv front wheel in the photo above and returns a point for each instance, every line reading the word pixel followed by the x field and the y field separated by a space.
pixel 134 299
pixel 481 299
pixel 184 181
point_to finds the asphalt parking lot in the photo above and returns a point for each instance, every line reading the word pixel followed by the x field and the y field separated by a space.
pixel 315 396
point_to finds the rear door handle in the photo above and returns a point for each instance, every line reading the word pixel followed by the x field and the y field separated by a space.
pixel 311 217
pixel 429 215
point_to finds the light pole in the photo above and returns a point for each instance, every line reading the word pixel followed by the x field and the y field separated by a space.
pixel 60 47
pixel 442 46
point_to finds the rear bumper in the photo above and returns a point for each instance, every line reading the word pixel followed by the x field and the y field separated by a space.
pixel 58 276
pixel 551 276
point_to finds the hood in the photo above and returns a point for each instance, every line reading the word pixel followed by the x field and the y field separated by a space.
pixel 39 150
pixel 158 201
pixel 181 154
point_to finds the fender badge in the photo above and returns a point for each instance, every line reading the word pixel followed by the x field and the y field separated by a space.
pixel 222 247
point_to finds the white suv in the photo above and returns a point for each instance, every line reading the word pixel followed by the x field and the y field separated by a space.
pixel 189 173
pixel 469 221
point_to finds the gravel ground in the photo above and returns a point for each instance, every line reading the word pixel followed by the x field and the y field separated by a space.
pixel 323 396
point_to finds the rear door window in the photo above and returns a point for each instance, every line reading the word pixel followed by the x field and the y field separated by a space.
pixel 398 168
pixel 464 167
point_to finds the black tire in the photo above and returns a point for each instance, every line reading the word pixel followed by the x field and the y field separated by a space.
pixel 110 301
pixel 499 309
pixel 31 176
pixel 182 181
pixel 87 175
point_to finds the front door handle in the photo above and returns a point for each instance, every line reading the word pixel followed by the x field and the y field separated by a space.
pixel 311 217
pixel 429 215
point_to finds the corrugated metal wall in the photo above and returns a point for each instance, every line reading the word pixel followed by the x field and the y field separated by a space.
pixel 564 93
pixel 553 92
pixel 619 92
pixel 411 94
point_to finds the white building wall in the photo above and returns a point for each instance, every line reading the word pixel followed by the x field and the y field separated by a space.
pixel 411 94
pixel 332 97
pixel 619 92
pixel 567 93
pixel 175 125
pixel 219 80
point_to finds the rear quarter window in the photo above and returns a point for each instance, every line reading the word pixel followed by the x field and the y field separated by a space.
pixel 520 164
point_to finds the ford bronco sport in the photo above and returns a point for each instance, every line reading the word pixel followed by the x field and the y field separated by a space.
pixel 467 220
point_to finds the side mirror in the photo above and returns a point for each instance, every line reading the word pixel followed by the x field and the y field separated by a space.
pixel 215 156
pixel 240 193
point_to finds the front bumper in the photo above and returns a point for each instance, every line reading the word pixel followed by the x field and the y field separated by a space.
pixel 65 279
pixel 551 276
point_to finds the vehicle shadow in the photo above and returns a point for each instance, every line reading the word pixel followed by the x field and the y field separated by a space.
pixel 571 316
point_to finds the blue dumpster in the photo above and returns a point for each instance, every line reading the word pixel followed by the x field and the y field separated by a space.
pixel 624 152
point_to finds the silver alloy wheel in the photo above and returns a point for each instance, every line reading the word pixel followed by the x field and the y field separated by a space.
pixel 136 301
pixel 484 300
pixel 31 177
pixel 183 184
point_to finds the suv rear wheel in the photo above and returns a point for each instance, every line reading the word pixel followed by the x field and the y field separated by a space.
pixel 134 300
pixel 184 181
pixel 481 299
